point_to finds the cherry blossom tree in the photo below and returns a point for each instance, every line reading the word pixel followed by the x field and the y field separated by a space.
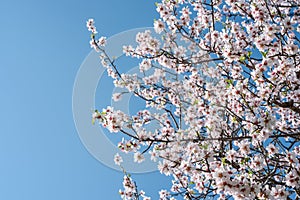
pixel 225 78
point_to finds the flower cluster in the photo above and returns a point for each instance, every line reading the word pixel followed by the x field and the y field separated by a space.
pixel 90 24
pixel 130 191
pixel 110 119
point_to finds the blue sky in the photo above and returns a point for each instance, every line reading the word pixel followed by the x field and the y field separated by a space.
pixel 42 45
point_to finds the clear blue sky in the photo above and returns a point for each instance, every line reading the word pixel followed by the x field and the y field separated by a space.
pixel 42 45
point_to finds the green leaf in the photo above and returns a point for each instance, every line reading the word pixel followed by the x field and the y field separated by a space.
pixel 224 161
pixel 196 102
pixel 93 121
pixel 284 93
pixel 264 54
pixel 92 35
pixel 208 128
pixel 234 119
pixel 229 81
pixel 283 15
pixel 249 54
pixel 156 4
pixel 242 58
pixel 244 160
pixel 205 146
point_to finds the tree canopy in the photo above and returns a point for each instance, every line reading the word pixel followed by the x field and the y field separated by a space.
pixel 224 78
